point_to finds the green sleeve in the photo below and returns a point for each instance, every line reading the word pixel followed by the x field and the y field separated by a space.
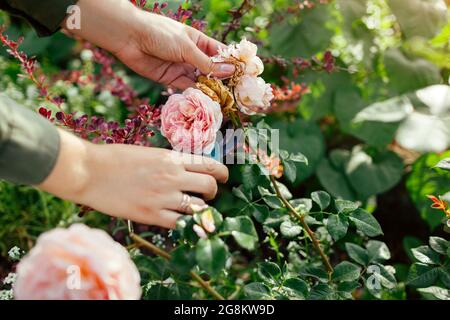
pixel 44 15
pixel 29 144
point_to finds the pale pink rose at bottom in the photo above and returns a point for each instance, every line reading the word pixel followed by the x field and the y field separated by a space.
pixel 78 263
pixel 190 121
pixel 253 95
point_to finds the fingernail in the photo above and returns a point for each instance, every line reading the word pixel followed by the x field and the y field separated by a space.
pixel 227 68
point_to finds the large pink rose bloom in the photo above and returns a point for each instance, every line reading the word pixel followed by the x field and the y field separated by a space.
pixel 190 121
pixel 77 263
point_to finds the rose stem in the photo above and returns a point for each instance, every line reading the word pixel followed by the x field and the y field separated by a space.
pixel 166 255
pixel 293 212
pixel 301 218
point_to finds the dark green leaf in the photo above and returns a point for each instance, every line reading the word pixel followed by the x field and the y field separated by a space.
pixel 378 251
pixel 211 255
pixel 290 229
pixel 322 291
pixel 337 226
pixel 357 253
pixel 269 272
pixel 366 223
pixel 345 206
pixel 183 258
pixel 439 245
pixel 242 194
pixel 243 231
pixel 257 291
pixel 296 288
pixel 426 255
pixel 322 198
pixel 290 170
pixel 346 271
pixel 421 275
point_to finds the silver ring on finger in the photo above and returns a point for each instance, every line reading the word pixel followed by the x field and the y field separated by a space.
pixel 185 203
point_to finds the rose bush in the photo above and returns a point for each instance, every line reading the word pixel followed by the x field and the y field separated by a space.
pixel 345 213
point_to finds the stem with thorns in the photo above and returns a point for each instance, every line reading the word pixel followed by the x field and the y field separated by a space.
pixel 301 218
pixel 162 253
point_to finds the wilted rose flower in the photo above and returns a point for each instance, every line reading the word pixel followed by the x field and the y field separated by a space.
pixel 190 121
pixel 77 263
pixel 253 95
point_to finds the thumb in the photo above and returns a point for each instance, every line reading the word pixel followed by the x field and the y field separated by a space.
pixel 204 63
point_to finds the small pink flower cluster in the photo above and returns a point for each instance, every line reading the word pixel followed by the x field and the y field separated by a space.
pixel 253 94
pixel 190 120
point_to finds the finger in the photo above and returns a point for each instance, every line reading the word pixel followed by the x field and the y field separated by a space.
pixel 199 183
pixel 176 201
pixel 205 165
pixel 182 83
pixel 167 219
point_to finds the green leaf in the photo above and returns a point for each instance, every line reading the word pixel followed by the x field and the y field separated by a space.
pixel 257 291
pixel 444 275
pixel 322 198
pixel 345 206
pixel 366 223
pixel 290 229
pixel 303 137
pixel 422 182
pixel 425 255
pixel 382 275
pixel 334 180
pixel 433 293
pixel 409 243
pixel 269 272
pixel 259 212
pixel 444 164
pixel 337 226
pixel 347 104
pixel 211 255
pixel 251 175
pixel 302 205
pixel 290 170
pixel 421 275
pixel 284 191
pixel 317 273
pixel 392 110
pixel 373 175
pixel 346 271
pixel 322 291
pixel 172 291
pixel 242 194
pixel 422 18
pixel 357 253
pixel 378 251
pixel 243 231
pixel 298 157
pixel 293 40
pixel 439 245
pixel 295 288
pixel 183 258
pixel 184 227
pixel 420 73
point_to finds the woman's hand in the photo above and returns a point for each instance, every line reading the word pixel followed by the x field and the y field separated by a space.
pixel 141 184
pixel 154 46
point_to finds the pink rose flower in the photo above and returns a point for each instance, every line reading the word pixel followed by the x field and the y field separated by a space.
pixel 253 95
pixel 254 66
pixel 190 121
pixel 245 53
pixel 77 263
